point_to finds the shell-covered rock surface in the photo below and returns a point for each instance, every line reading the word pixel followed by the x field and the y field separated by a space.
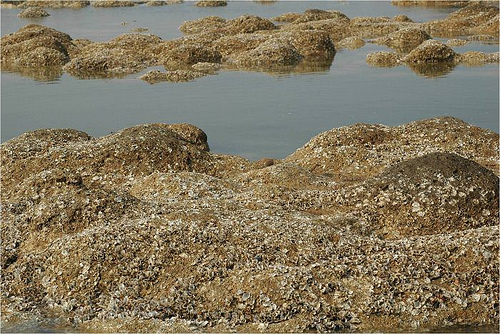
pixel 291 42
pixel 364 228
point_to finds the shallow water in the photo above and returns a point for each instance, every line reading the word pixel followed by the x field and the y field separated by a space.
pixel 245 113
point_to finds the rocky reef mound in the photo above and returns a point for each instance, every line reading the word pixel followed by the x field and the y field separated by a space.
pixel 124 54
pixel 475 18
pixel 365 228
pixel 211 3
pixel 404 40
pixel 304 42
pixel 112 3
pixel 53 3
pixel 33 12
pixel 35 45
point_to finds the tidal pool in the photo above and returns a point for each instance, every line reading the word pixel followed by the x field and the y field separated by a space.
pixel 251 114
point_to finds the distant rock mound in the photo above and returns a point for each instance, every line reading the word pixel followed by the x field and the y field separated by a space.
pixel 33 12
pixel 35 45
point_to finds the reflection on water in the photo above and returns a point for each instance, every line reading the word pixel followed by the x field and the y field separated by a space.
pixel 42 74
pixel 432 70
pixel 303 67
pixel 253 112
pixel 31 326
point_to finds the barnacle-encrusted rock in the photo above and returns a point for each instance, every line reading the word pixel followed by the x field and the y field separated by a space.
pixel 318 14
pixel 124 54
pixel 287 17
pixel 361 150
pixel 234 44
pixel 239 25
pixel 203 24
pixel 404 40
pixel 401 18
pixel 33 12
pixel 42 56
pixel 476 18
pixel 383 59
pixel 54 3
pixel 465 193
pixel 206 67
pixel 247 24
pixel 310 44
pixel 373 27
pixel 146 230
pixel 35 45
pixel 189 54
pixel 211 3
pixel 131 151
pixel 273 52
pixel 475 58
pixel 431 51
pixel 456 42
pixel 113 3
pixel 103 62
pixel 430 3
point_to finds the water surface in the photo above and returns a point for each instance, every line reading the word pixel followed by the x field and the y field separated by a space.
pixel 245 113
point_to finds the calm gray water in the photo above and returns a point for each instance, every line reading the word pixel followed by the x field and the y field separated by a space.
pixel 245 113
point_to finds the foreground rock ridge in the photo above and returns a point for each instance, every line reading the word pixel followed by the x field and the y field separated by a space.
pixel 292 42
pixel 364 228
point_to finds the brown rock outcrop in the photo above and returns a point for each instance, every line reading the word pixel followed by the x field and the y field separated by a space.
pixel 35 45
pixel 33 12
